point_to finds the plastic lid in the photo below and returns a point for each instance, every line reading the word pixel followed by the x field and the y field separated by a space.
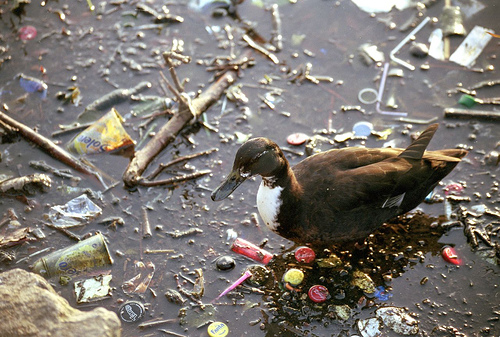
pixel 217 329
pixel 132 311
pixel 297 138
pixel 362 128
pixel 318 293
pixel 293 276
pixel 305 254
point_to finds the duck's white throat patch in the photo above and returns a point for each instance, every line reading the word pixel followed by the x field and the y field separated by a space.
pixel 268 203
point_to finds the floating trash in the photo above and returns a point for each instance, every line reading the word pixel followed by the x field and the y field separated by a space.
pixel 318 293
pixel 225 263
pixel 382 294
pixel 467 100
pixel 250 250
pixel 436 44
pixel 27 33
pixel 369 53
pixel 297 138
pixel 31 84
pixel 138 284
pixel 473 45
pixel 369 327
pixel 93 289
pixel 398 320
pixel 362 128
pixel 217 329
pixel 76 259
pixel 304 254
pixel 363 282
pixel 452 21
pixel 131 311
pixel 450 256
pixel 105 135
pixel 293 276
pixel 239 281
pixel 75 212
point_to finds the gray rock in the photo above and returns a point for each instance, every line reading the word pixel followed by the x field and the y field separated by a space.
pixel 31 307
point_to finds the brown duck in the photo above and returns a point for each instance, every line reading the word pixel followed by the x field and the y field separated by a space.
pixel 341 194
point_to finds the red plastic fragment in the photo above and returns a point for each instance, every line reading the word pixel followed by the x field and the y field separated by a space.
pixel 453 189
pixel 449 255
pixel 27 33
pixel 252 251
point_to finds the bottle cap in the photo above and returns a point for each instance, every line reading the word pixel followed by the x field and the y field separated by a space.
pixel 218 329
pixel 362 128
pixel 293 276
pixel 131 311
pixel 318 293
pixel 297 138
pixel 305 254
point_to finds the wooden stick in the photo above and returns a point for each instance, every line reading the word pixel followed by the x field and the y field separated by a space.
pixel 169 131
pixel 48 146
pixel 162 166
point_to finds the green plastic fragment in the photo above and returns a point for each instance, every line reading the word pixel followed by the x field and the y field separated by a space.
pixel 467 100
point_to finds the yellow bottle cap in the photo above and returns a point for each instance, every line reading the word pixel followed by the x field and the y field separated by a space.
pixel 218 329
pixel 293 276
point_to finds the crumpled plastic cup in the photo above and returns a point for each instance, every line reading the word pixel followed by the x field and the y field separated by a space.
pixel 105 135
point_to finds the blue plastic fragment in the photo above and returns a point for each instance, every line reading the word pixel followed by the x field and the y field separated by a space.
pixel 382 294
pixel 30 84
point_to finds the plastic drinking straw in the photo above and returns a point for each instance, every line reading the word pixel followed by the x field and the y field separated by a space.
pixel 381 93
pixel 239 281
pixel 405 40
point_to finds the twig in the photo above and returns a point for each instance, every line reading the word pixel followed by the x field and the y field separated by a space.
pixel 174 180
pixel 146 227
pixel 169 131
pixel 162 166
pixel 64 231
pixel 259 48
pixel 155 323
pixel 167 56
pixel 48 146
pixel 277 38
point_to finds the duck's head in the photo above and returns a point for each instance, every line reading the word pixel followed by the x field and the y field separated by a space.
pixel 257 156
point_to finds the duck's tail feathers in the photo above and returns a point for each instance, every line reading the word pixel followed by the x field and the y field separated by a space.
pixel 416 150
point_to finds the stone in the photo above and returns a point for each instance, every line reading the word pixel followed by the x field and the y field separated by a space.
pixel 31 307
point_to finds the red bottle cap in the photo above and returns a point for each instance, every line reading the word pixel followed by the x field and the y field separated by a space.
pixel 305 255
pixel 297 138
pixel 318 293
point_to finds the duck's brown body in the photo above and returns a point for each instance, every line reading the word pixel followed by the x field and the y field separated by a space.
pixel 339 195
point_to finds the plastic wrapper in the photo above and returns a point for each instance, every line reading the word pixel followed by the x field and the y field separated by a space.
pixel 93 289
pixel 472 46
pixel 105 135
pixel 75 212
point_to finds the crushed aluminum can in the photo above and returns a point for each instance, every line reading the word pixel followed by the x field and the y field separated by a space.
pixel 76 259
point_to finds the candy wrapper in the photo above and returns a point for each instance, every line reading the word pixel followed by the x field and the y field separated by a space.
pixel 105 135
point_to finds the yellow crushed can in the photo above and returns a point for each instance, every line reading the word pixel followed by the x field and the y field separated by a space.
pixel 88 254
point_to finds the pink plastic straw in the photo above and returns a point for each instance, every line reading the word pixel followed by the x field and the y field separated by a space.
pixel 234 285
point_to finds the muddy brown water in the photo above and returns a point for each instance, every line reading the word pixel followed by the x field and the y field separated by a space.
pixel 92 52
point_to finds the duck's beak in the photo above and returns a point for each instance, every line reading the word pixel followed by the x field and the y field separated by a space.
pixel 233 180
